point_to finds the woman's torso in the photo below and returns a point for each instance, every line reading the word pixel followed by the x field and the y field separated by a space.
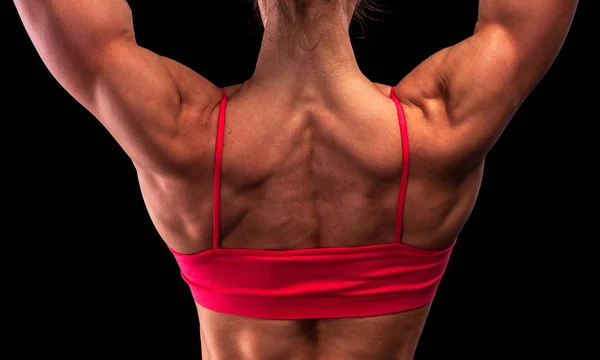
pixel 321 169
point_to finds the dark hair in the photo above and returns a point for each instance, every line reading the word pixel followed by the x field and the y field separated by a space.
pixel 294 11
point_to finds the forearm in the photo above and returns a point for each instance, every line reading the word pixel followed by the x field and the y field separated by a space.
pixel 73 38
pixel 74 28
pixel 515 13
pixel 528 35
pixel 530 22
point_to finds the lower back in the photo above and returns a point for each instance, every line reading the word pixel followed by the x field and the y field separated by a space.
pixel 386 337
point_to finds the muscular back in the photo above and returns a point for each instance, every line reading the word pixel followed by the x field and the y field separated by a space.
pixel 318 167
pixel 319 172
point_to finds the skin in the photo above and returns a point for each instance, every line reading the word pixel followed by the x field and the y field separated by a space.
pixel 327 138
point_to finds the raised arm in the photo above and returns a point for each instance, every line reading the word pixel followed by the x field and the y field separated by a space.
pixel 90 48
pixel 477 85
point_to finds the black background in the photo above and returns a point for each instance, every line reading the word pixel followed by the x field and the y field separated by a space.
pixel 89 275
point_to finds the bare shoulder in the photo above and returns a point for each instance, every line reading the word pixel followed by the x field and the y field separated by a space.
pixel 431 137
pixel 469 92
pixel 195 91
pixel 448 144
pixel 385 89
pixel 192 137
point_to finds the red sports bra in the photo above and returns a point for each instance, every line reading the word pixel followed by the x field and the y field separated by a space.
pixel 314 283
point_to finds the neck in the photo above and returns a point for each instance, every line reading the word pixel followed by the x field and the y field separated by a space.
pixel 309 52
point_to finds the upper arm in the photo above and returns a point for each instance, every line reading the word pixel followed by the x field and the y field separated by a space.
pixel 477 85
pixel 136 94
pixel 147 102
